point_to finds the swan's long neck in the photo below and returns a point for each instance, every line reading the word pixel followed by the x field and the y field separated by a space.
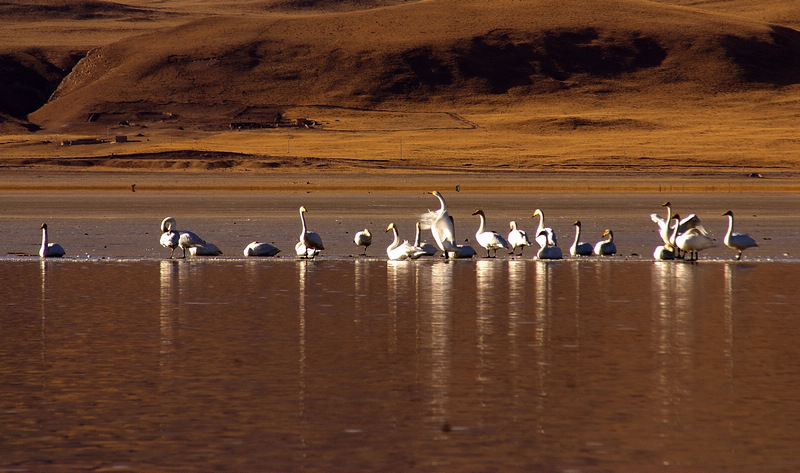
pixel 482 225
pixel 442 205
pixel 303 220
pixel 44 239
pixel 610 237
pixel 577 236
pixel 416 237
pixel 541 223
pixel 396 241
pixel 674 231
pixel 730 227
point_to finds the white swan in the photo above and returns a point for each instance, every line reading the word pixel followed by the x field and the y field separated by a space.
pixel 548 251
pixel 549 235
pixel 579 248
pixel 667 250
pixel 304 252
pixel 737 241
pixel 50 250
pixel 260 249
pixel 401 251
pixel 606 247
pixel 363 238
pixel 206 249
pixel 310 243
pixel 459 251
pixel 442 227
pixel 172 238
pixel 491 241
pixel 665 225
pixel 517 238
pixel 693 241
pixel 429 249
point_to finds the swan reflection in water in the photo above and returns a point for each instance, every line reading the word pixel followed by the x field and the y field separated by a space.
pixel 43 269
pixel 516 308
pixel 486 279
pixel 673 289
pixel 361 287
pixel 171 282
pixel 436 322
pixel 399 284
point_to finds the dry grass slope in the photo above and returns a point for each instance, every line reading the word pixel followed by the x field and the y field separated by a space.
pixel 458 84
pixel 435 51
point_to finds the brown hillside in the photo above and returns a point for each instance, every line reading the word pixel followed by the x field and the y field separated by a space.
pixel 432 51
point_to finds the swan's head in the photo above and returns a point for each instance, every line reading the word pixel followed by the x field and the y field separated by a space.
pixel 577 223
pixel 607 232
pixel 436 193
pixel 167 224
pixel 44 226
pixel 676 217
pixel 390 227
pixel 537 213
pixel 478 212
pixel 512 225
pixel 728 214
pixel 303 209
pixel 666 204
pixel 366 232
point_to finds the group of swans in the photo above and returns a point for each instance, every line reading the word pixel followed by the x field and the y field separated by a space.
pixel 443 230
pixel 308 246
pixel 687 236
pixel 173 238
pixel 680 237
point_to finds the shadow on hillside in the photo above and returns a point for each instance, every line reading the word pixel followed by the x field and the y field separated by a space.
pixel 772 62
pixel 503 59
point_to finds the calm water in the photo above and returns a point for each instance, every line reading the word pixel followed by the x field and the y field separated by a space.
pixel 368 365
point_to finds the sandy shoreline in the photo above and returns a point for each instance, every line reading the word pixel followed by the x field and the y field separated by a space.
pixel 31 179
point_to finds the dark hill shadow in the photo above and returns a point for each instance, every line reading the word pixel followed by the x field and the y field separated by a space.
pixel 774 62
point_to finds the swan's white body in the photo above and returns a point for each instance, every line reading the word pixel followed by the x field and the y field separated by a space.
pixel 310 243
pixel 206 249
pixel 737 241
pixel 363 238
pixel 692 242
pixel 401 251
pixel 50 250
pixel 461 251
pixel 429 249
pixel 606 247
pixel 260 249
pixel 172 238
pixel 491 241
pixel 548 251
pixel 303 251
pixel 442 227
pixel 579 248
pixel 517 238
pixel 549 235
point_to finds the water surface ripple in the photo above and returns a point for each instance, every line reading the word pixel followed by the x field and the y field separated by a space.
pixel 369 365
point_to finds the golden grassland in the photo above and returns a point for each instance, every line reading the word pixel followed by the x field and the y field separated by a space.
pixel 700 114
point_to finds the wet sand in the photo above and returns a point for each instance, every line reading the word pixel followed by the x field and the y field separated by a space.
pixel 99 214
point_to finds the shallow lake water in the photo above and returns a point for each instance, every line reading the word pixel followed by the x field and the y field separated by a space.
pixel 368 365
